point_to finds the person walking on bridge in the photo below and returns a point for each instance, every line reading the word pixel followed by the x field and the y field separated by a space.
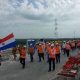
pixel 23 56
pixel 73 45
pixel 47 50
pixel 57 52
pixel 31 52
pixel 40 52
pixel 68 48
pixel 51 58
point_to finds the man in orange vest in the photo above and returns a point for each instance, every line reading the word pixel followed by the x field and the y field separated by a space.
pixel 57 52
pixel 51 58
pixel 73 45
pixel 31 52
pixel 23 56
pixel 68 48
pixel 47 50
pixel 40 52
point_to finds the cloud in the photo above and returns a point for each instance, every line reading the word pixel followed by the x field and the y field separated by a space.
pixel 38 16
pixel 5 8
pixel 54 9
pixel 35 8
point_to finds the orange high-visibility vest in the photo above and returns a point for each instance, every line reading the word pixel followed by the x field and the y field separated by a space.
pixel 47 48
pixel 72 44
pixel 40 49
pixel 57 50
pixel 51 53
pixel 78 44
pixel 68 47
pixel 23 53
pixel 31 49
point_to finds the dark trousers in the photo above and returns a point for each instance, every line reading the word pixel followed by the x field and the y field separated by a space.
pixel 31 57
pixel 41 55
pixel 47 57
pixel 58 58
pixel 73 48
pixel 68 53
pixel 51 63
pixel 22 61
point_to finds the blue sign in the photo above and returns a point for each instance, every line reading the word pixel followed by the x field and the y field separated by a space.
pixel 31 43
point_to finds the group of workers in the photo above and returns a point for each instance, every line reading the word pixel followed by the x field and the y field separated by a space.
pixel 52 50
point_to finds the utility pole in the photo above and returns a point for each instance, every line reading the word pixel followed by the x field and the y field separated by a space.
pixel 56 29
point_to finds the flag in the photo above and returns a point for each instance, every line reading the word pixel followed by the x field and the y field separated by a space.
pixel 7 42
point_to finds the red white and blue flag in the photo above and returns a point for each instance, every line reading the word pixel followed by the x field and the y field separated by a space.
pixel 7 42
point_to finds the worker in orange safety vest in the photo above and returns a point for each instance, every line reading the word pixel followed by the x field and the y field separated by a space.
pixel 57 52
pixel 48 45
pixel 31 52
pixel 40 51
pixel 68 48
pixel 73 45
pixel 23 56
pixel 51 58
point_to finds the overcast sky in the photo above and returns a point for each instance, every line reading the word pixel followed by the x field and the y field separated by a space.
pixel 36 18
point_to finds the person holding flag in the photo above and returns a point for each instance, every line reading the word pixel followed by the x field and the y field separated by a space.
pixel 6 43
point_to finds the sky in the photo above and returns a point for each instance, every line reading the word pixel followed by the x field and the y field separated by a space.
pixel 36 18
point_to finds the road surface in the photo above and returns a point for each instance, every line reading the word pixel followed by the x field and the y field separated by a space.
pixel 11 70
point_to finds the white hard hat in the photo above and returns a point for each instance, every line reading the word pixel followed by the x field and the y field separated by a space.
pixel 52 44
